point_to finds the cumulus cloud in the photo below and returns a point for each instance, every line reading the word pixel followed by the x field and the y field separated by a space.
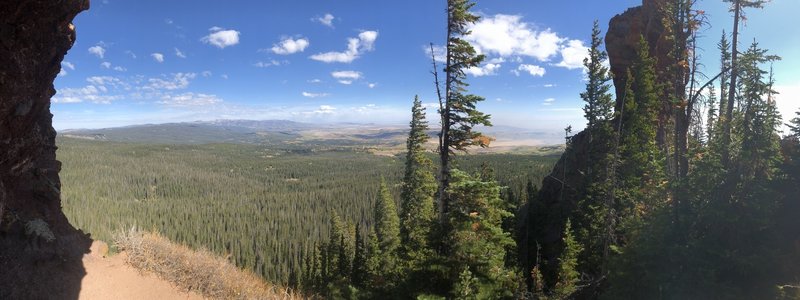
pixel 290 46
pixel 485 70
pixel 120 69
pixel 158 57
pixel 355 47
pixel 179 53
pixel 534 70
pixel 314 95
pixel 221 37
pixel 372 85
pixel 189 99
pixel 508 35
pixel 106 65
pixel 549 101
pixel 98 51
pixel 326 20
pixel 572 55
pixel 177 81
pixel 346 77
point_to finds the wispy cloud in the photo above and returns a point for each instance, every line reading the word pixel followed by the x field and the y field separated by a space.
pixel 179 53
pixel 346 77
pixel 158 57
pixel 326 20
pixel 189 99
pixel 314 95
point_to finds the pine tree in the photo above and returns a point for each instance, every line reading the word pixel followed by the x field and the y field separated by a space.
pixel 794 125
pixel 387 231
pixel 359 275
pixel 599 103
pixel 737 7
pixel 711 114
pixel 568 276
pixel 641 173
pixel 477 239
pixel 724 48
pixel 419 187
pixel 457 109
pixel 387 223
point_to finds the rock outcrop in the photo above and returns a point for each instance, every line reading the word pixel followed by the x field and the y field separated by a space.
pixel 40 251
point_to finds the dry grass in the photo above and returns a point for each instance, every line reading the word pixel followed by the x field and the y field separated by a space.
pixel 194 270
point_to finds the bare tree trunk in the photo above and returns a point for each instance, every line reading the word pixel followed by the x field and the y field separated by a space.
pixel 726 134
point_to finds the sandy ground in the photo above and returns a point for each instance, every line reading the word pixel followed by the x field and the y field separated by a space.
pixel 111 278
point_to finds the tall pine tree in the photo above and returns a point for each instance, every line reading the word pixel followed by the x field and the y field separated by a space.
pixel 419 187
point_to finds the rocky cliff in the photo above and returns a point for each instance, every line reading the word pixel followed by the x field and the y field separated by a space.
pixel 39 250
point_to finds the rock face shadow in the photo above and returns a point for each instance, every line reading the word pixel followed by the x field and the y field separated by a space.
pixel 40 252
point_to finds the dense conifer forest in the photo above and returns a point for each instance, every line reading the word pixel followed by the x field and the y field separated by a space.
pixel 265 208
pixel 682 186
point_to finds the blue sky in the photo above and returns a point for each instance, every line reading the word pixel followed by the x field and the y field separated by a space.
pixel 147 61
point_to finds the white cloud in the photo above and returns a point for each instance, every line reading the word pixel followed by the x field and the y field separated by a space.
pixel 158 57
pixel 189 99
pixel 315 80
pixel 105 64
pixel 572 55
pixel 549 85
pixel 120 69
pixel 534 70
pixel 263 64
pixel 68 65
pixel 346 77
pixel 325 109
pixel 62 73
pixel 176 82
pixel 89 93
pixel 129 52
pixel 98 51
pixel 507 35
pixel 549 101
pixel 206 73
pixel 372 85
pixel 440 53
pixel 326 20
pixel 290 46
pixel 221 38
pixel 106 80
pixel 485 70
pixel 355 47
pixel 315 95
pixel 180 54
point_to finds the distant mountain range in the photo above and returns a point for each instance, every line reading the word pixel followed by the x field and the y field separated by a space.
pixel 295 134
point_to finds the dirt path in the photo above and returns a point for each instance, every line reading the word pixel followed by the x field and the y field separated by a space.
pixel 111 278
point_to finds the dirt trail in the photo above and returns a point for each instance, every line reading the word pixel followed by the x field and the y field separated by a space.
pixel 111 278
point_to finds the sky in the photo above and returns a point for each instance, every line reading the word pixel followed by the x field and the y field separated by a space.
pixel 363 61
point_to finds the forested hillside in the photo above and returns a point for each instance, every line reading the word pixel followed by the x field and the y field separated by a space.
pixel 265 208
